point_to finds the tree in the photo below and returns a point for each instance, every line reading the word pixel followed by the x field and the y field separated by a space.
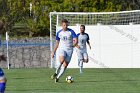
pixel 17 12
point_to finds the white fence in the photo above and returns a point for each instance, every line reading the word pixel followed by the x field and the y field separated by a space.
pixel 113 46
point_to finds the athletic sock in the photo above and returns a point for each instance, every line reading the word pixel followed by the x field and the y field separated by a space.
pixel 58 68
pixel 81 66
pixel 61 71
pixel 81 69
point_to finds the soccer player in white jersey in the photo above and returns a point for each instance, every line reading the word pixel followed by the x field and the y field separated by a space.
pixel 66 39
pixel 83 38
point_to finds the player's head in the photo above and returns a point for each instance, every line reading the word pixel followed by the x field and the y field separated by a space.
pixel 64 24
pixel 1 25
pixel 82 28
pixel 2 57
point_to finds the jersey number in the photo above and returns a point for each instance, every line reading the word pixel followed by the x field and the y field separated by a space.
pixel 64 38
pixel 82 41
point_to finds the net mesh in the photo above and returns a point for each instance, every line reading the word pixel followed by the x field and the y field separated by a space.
pixel 108 19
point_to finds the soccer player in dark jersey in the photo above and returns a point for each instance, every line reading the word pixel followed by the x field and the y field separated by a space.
pixel 2 76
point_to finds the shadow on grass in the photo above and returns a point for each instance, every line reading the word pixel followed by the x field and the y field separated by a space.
pixel 91 81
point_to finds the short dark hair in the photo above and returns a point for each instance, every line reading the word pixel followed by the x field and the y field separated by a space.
pixel 83 26
pixel 64 21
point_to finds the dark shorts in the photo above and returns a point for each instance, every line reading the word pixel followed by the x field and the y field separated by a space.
pixel 2 87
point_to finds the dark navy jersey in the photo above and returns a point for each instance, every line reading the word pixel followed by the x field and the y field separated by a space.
pixel 1 72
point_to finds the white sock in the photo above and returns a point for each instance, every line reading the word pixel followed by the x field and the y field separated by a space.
pixel 61 71
pixel 58 68
pixel 81 66
pixel 79 62
pixel 81 69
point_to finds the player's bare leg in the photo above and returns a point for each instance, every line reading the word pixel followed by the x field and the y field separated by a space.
pixel 58 68
pixel 56 72
pixel 62 70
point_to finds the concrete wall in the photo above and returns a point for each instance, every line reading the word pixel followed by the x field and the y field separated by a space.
pixel 28 56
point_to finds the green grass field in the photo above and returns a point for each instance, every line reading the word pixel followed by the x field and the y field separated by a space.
pixel 91 81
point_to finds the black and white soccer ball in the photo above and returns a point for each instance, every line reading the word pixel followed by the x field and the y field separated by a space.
pixel 69 79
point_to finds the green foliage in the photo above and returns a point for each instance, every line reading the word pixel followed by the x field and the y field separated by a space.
pixel 16 11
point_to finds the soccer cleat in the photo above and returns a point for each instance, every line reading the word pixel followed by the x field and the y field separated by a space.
pixel 56 80
pixel 53 76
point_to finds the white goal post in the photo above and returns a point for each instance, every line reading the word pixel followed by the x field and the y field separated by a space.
pixel 114 37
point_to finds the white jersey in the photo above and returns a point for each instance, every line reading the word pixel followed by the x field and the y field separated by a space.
pixel 82 39
pixel 66 38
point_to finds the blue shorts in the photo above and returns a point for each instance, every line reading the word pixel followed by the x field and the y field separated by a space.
pixel 2 87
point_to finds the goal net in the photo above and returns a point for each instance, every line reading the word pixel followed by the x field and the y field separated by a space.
pixel 114 37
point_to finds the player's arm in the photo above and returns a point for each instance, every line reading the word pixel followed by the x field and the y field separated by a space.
pixel 75 41
pixel 88 41
pixel 77 46
pixel 55 48
pixel 56 44
pixel 89 44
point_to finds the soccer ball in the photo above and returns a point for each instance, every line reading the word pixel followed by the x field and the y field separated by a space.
pixel 69 79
